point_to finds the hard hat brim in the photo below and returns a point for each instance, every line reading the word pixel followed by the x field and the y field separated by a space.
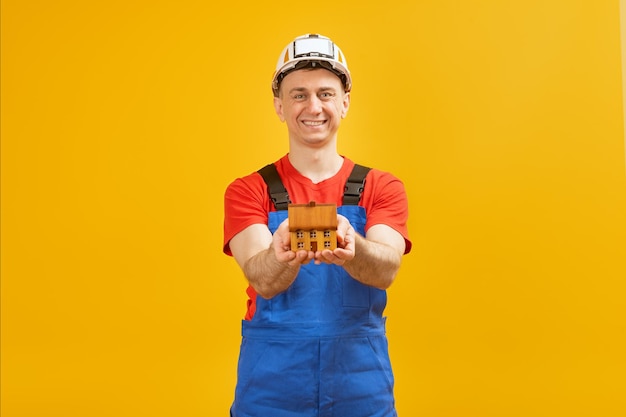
pixel 306 62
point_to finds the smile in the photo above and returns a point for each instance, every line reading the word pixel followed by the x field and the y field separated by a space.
pixel 314 123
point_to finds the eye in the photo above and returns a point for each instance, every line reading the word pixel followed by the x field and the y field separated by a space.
pixel 299 97
pixel 326 95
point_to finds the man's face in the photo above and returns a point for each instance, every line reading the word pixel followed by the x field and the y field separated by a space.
pixel 312 103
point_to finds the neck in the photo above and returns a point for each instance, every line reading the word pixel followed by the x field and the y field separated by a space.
pixel 316 164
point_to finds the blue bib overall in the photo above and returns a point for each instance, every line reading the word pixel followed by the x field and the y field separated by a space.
pixel 318 349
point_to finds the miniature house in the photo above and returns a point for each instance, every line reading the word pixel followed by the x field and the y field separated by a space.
pixel 313 226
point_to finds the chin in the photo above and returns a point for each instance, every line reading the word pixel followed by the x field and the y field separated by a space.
pixel 316 141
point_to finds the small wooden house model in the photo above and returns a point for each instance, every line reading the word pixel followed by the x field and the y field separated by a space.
pixel 313 226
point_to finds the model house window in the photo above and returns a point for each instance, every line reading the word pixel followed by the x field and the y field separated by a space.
pixel 326 233
pixel 300 245
pixel 327 244
pixel 313 234
pixel 299 234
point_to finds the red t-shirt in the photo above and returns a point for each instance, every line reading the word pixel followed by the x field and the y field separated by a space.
pixel 247 202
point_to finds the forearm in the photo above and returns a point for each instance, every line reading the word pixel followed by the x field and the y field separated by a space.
pixel 375 264
pixel 267 275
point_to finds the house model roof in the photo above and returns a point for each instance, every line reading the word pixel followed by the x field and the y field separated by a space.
pixel 312 216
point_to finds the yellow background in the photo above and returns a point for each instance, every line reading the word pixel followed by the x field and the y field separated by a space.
pixel 124 121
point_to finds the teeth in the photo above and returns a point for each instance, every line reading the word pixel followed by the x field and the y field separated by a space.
pixel 314 123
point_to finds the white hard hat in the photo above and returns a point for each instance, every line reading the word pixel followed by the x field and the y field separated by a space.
pixel 308 51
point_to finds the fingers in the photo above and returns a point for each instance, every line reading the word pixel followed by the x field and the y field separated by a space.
pixel 338 256
pixel 285 254
pixel 344 252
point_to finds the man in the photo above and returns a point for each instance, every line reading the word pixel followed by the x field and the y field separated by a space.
pixel 314 339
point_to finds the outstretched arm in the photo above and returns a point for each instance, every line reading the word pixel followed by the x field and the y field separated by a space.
pixel 377 257
pixel 372 260
pixel 267 260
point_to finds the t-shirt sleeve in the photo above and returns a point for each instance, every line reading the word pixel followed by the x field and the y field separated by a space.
pixel 246 203
pixel 386 203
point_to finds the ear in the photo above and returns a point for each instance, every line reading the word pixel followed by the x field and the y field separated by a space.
pixel 278 107
pixel 345 105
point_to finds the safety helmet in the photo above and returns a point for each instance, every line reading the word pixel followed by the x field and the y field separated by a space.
pixel 309 51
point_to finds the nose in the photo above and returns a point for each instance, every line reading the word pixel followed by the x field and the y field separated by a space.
pixel 315 104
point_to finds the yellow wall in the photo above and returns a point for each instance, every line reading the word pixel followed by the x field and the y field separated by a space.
pixel 123 122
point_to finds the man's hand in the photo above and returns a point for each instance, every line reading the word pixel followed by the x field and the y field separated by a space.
pixel 281 242
pixel 346 237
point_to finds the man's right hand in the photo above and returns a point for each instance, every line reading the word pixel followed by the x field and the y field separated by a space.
pixel 281 243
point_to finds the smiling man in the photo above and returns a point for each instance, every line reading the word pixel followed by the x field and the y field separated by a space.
pixel 313 337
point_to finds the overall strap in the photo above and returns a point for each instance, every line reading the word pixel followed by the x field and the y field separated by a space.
pixel 279 196
pixel 355 185
pixel 278 192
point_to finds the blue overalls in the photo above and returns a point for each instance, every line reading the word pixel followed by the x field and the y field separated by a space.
pixel 318 349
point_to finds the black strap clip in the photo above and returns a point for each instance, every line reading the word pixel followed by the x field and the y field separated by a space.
pixel 355 185
pixel 280 199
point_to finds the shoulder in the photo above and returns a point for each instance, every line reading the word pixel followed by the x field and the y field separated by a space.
pixel 380 181
pixel 379 175
pixel 373 173
pixel 383 189
pixel 385 200
pixel 246 184
pixel 246 202
pixel 253 181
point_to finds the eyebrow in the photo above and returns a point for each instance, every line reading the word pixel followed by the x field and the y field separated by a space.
pixel 303 89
